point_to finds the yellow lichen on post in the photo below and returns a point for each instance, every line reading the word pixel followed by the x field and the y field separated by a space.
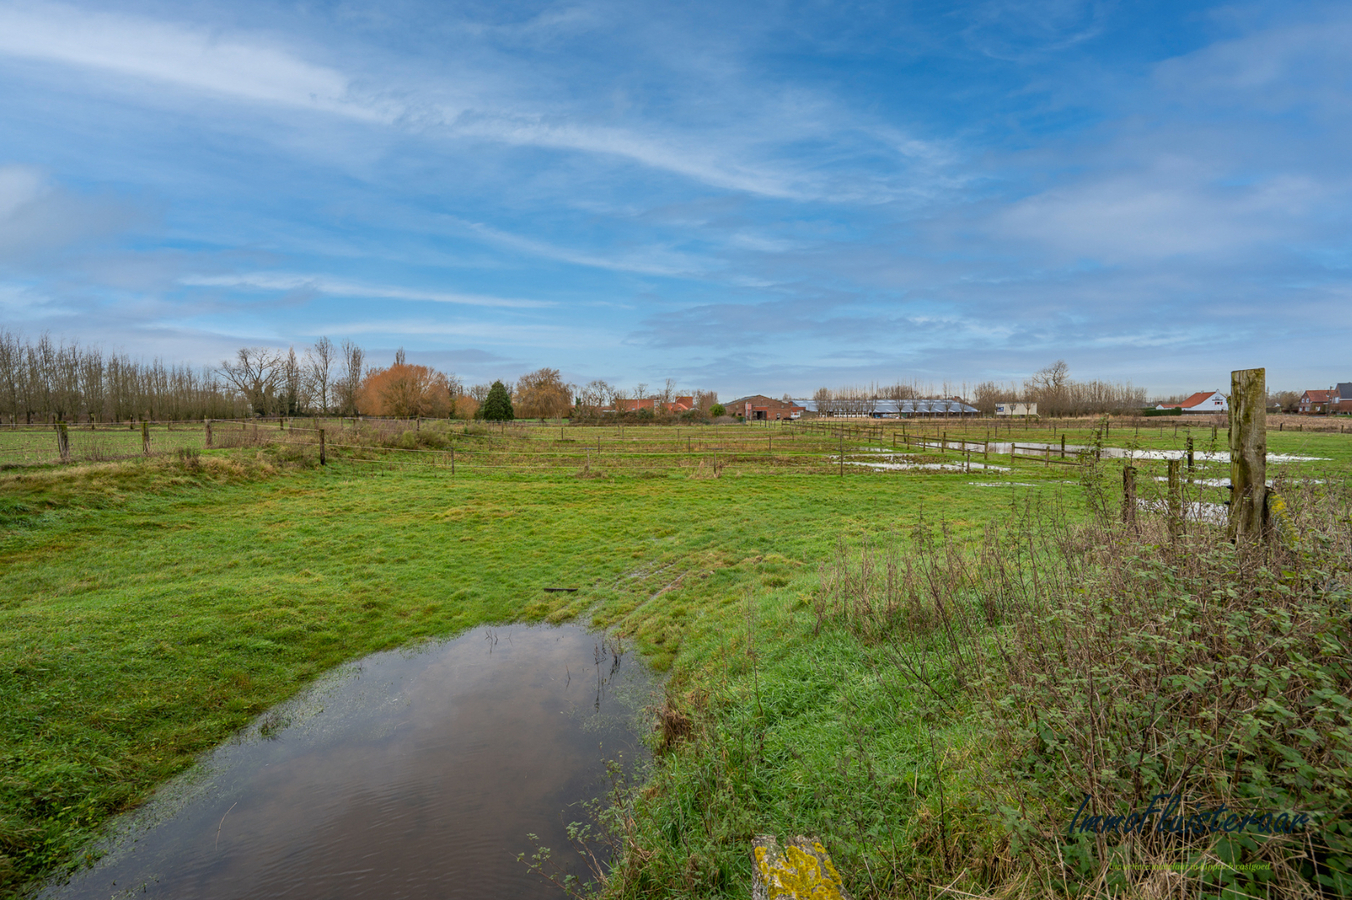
pixel 802 870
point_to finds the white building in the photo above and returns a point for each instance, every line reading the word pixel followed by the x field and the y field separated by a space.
pixel 1016 409
pixel 1203 402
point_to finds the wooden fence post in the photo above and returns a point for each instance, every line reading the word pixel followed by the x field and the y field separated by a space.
pixel 1063 446
pixel 208 440
pixel 1129 494
pixel 145 438
pixel 1189 453
pixel 1248 453
pixel 1175 499
pixel 62 441
pixel 323 459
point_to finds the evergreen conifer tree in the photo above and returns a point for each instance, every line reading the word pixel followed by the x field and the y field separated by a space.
pixel 497 405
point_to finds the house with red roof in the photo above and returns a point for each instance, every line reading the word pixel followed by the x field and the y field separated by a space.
pixel 634 404
pixel 1201 402
pixel 1318 403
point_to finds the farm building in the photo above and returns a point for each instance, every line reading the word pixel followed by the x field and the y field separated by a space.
pixel 1016 409
pixel 894 409
pixel 1201 402
pixel 760 408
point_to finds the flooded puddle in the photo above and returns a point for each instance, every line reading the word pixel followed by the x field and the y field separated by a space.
pixel 408 774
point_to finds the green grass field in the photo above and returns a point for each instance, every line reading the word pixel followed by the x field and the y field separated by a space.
pixel 150 608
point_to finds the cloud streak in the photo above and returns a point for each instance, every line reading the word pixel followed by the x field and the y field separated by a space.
pixel 273 281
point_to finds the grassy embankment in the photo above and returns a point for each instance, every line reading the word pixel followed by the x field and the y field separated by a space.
pixel 152 608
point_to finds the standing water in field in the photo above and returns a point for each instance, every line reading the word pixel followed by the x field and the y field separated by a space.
pixel 408 774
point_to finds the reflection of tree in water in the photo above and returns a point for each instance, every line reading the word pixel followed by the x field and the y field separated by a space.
pixel 613 648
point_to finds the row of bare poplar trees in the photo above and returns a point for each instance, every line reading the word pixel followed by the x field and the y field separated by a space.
pixel 44 380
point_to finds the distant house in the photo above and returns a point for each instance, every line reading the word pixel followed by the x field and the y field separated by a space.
pixel 1016 409
pixel 677 405
pixel 760 408
pixel 1201 402
pixel 1318 403
pixel 1344 404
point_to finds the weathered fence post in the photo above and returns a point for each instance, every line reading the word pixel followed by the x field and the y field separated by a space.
pixel 145 438
pixel 323 459
pixel 62 441
pixel 208 440
pixel 1129 494
pixel 1175 499
pixel 1063 446
pixel 1190 453
pixel 1248 453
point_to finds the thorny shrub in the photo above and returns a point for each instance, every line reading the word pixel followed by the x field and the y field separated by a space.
pixel 1112 663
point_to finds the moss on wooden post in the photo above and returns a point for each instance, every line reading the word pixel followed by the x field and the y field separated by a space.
pixel 1248 453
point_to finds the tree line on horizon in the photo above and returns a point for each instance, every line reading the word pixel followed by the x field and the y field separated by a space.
pixel 45 380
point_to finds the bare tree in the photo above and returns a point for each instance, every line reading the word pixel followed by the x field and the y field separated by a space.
pixel 11 372
pixel 255 373
pixel 594 396
pixel 705 400
pixel 348 387
pixel 295 384
pixel 322 357
pixel 1047 388
pixel 825 401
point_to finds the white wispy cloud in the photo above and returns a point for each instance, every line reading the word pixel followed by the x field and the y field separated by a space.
pixel 272 281
pixel 740 154
pixel 686 158
pixel 650 261
pixel 184 56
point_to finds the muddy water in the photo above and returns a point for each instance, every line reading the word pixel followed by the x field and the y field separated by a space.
pixel 406 775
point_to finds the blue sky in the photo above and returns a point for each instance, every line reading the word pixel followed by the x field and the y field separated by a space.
pixel 741 196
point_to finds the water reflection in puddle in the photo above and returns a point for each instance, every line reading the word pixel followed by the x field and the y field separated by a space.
pixel 409 774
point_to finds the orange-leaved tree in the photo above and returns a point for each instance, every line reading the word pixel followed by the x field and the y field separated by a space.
pixel 542 394
pixel 405 390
